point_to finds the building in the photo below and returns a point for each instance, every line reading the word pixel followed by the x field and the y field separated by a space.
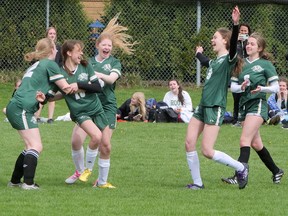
pixel 94 8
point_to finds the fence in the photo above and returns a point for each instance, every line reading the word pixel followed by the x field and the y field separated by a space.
pixel 167 33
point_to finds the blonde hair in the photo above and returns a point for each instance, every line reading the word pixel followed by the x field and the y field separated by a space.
pixel 43 49
pixel 141 104
pixel 116 33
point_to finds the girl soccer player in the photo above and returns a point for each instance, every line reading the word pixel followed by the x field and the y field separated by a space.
pixel 208 116
pixel 256 72
pixel 84 105
pixel 108 70
pixel 41 76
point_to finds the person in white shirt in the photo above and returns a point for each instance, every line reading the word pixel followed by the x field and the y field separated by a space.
pixel 179 100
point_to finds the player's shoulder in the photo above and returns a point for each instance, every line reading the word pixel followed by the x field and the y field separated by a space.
pixel 48 63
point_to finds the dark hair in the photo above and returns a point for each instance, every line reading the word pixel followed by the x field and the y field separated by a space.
pixel 69 45
pixel 246 25
pixel 180 95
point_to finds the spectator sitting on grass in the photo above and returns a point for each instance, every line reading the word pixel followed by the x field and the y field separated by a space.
pixel 133 109
pixel 277 103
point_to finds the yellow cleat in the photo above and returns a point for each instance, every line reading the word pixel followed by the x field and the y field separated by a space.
pixel 85 175
pixel 107 185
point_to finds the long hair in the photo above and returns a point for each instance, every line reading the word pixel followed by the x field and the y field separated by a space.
pixel 238 67
pixel 226 35
pixel 261 44
pixel 116 33
pixel 180 90
pixel 47 31
pixel 141 104
pixel 262 54
pixel 43 49
pixel 69 45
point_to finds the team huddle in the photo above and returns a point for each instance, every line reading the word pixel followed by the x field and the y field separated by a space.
pixel 88 90
pixel 77 82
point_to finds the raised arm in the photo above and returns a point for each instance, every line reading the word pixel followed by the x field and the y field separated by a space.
pixel 202 58
pixel 235 31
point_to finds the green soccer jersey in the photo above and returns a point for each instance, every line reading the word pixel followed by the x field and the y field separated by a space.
pixel 38 77
pixel 260 72
pixel 216 84
pixel 82 103
pixel 107 66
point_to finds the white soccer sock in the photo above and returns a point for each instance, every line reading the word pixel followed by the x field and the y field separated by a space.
pixel 91 157
pixel 225 159
pixel 104 166
pixel 78 158
pixel 194 166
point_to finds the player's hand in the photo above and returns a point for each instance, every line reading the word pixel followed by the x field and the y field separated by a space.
pixel 99 75
pixel 74 87
pixel 67 90
pixel 236 15
pixel 258 89
pixel 244 85
pixel 40 96
pixel 199 49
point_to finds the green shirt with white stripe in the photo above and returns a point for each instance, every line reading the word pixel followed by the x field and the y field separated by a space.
pixel 83 103
pixel 217 79
pixel 261 72
pixel 107 66
pixel 38 77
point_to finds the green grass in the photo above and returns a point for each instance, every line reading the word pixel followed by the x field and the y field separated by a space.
pixel 149 168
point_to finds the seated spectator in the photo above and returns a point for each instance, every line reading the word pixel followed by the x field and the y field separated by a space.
pixel 277 103
pixel 133 109
pixel 179 100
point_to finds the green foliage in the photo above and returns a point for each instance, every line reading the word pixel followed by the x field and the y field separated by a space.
pixel 130 80
pixel 168 36
pixel 23 24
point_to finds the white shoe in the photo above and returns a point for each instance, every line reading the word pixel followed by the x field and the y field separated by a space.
pixel 72 179
pixel 30 187
pixel 10 184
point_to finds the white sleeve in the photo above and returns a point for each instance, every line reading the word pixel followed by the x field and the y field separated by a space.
pixel 235 88
pixel 167 99
pixel 272 88
pixel 187 101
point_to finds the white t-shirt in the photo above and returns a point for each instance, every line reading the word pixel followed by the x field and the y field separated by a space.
pixel 172 101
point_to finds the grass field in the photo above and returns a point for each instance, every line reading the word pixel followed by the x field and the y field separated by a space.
pixel 148 167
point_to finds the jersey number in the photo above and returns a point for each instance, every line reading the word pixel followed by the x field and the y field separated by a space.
pixel 79 95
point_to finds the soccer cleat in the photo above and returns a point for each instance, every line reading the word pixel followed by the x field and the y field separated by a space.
pixel 30 187
pixel 10 184
pixel 242 176
pixel 230 180
pixel 277 177
pixel 195 187
pixel 85 175
pixel 285 126
pixel 107 185
pixel 72 179
pixel 237 124
pixel 274 120
pixel 50 121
